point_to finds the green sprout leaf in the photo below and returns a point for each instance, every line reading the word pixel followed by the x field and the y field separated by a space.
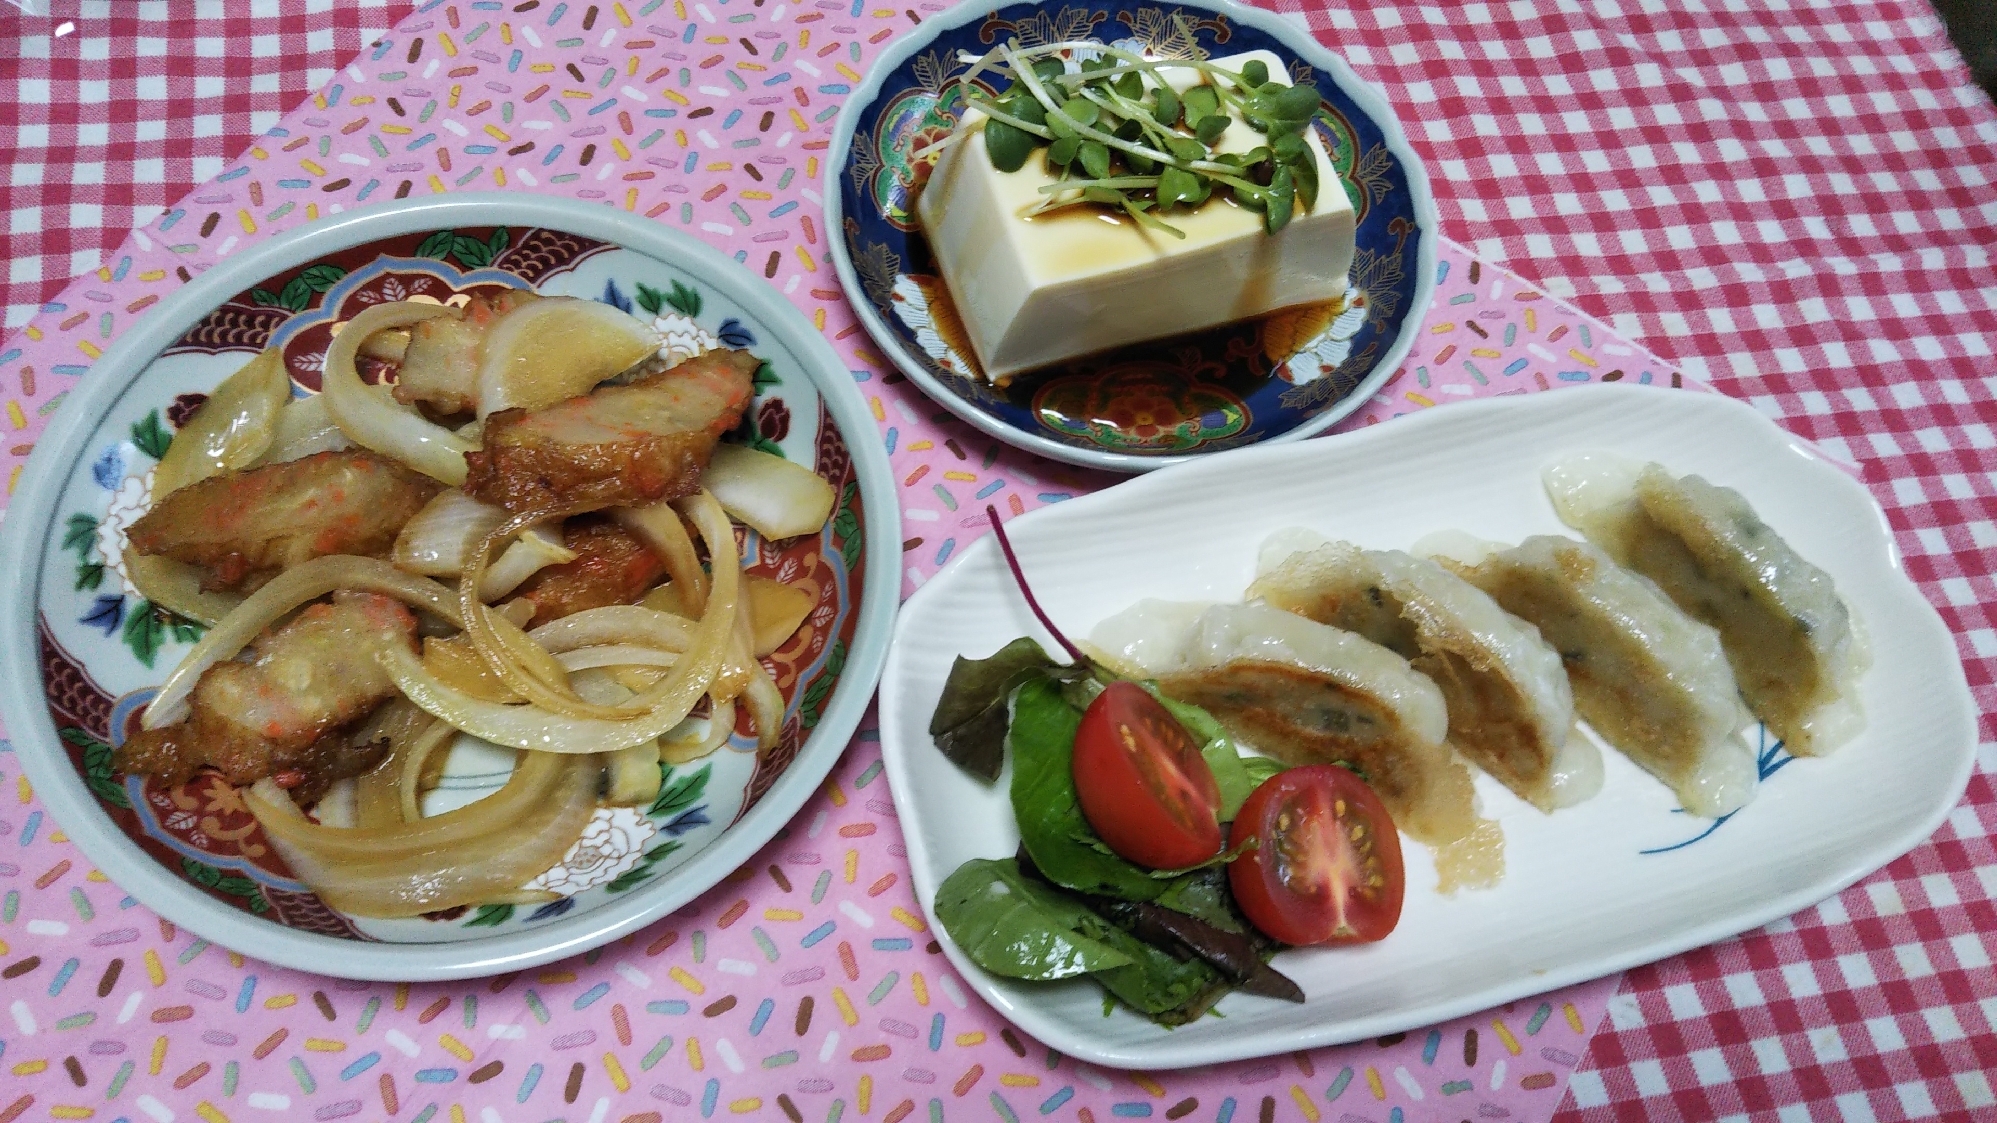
pixel 1081 111
pixel 1282 197
pixel 1201 102
pixel 1176 188
pixel 1008 147
pixel 1121 136
pixel 1095 159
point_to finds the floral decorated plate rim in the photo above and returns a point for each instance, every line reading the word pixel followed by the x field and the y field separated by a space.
pixel 1616 881
pixel 1368 97
pixel 30 533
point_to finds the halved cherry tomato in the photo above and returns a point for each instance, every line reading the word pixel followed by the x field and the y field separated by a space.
pixel 1327 865
pixel 1143 785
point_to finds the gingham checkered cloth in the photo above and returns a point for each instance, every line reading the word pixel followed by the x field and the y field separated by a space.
pixel 1793 200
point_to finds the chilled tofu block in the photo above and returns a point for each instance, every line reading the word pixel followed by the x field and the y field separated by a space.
pixel 1057 286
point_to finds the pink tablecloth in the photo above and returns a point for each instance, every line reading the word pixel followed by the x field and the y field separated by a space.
pixel 1796 207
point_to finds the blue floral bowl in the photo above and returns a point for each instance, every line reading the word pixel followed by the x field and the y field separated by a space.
pixel 1283 377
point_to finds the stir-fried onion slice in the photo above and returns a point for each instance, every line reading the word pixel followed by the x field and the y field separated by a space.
pixel 478 852
pixel 778 497
pixel 527 668
pixel 523 665
pixel 293 587
pixel 377 793
pixel 419 774
pixel 537 548
pixel 686 750
pixel 372 418
pixel 766 707
pixel 648 715
pixel 615 655
pixel 176 587
pixel 231 429
pixel 660 528
pixel 617 623
pixel 304 427
pixel 435 541
pixel 526 727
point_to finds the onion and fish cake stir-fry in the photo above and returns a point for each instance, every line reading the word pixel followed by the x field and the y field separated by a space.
pixel 522 531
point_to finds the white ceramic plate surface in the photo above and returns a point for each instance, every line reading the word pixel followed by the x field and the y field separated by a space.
pixel 1615 882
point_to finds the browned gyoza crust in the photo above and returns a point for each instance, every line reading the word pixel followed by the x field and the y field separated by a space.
pixel 617 446
pixel 254 522
pixel 1302 717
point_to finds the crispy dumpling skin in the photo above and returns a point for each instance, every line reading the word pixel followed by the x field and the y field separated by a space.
pixel 1652 681
pixel 1796 649
pixel 1510 707
pixel 1306 693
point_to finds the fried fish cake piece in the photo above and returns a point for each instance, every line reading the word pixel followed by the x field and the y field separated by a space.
pixel 287 707
pixel 612 567
pixel 440 366
pixel 620 445
pixel 250 524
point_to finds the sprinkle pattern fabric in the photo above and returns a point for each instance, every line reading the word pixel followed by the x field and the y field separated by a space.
pixel 1668 168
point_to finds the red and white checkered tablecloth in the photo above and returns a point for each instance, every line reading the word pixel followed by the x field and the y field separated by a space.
pixel 1797 201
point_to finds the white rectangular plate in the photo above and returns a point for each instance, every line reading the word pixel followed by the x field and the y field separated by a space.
pixel 1590 890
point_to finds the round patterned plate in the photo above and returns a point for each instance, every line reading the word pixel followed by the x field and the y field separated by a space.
pixel 1289 375
pixel 99 649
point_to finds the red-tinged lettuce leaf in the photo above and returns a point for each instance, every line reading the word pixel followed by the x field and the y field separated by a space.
pixel 971 717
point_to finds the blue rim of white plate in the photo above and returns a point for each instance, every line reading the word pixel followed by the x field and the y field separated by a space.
pixel 1365 96
pixel 30 521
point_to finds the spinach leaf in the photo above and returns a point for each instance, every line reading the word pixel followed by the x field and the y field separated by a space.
pixel 1204 896
pixel 1260 768
pixel 1168 990
pixel 969 724
pixel 1051 825
pixel 1021 928
pixel 1236 774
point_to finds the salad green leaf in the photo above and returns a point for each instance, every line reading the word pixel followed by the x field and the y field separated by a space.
pixel 1023 928
pixel 1169 990
pixel 1204 896
pixel 969 724
pixel 1237 775
pixel 1051 824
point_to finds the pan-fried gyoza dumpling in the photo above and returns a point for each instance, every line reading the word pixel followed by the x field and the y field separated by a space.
pixel 1651 680
pixel 1796 649
pixel 1306 693
pixel 1510 707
